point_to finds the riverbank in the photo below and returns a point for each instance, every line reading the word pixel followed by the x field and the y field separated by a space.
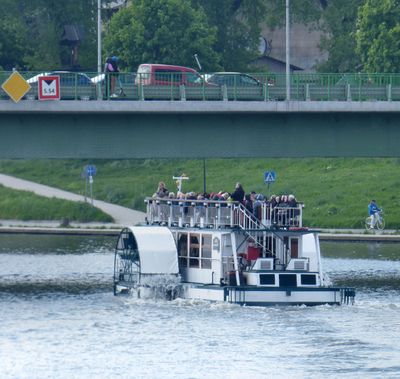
pixel 112 229
pixel 56 228
pixel 317 182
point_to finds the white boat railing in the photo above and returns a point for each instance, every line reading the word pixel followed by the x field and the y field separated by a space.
pixel 217 214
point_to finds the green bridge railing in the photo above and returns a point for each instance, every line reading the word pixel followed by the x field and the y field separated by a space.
pixel 175 86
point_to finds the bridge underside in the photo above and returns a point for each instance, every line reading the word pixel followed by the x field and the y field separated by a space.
pixel 198 135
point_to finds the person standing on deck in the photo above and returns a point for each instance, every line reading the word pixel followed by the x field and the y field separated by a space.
pixel 238 194
pixel 162 191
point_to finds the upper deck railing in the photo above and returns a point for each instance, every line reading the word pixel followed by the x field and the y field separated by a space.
pixel 220 214
pixel 265 87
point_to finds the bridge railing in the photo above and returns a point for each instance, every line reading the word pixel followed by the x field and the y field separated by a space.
pixel 264 87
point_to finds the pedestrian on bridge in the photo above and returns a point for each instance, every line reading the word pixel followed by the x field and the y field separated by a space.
pixel 111 69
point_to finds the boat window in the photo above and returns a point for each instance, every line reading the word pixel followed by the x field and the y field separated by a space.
pixel 267 279
pixel 288 280
pixel 183 250
pixel 194 251
pixel 226 240
pixel 206 251
pixel 206 246
pixel 309 279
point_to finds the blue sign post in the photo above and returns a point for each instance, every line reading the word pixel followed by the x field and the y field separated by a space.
pixel 89 172
pixel 269 178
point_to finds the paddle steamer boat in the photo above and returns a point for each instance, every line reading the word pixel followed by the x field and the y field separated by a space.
pixel 219 251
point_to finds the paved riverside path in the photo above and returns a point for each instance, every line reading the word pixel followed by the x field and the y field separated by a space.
pixel 122 216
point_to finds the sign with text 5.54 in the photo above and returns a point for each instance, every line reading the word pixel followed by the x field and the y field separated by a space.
pixel 49 87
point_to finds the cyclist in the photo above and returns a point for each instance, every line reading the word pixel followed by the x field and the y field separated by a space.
pixel 373 211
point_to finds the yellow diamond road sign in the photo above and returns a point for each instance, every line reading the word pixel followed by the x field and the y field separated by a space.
pixel 16 86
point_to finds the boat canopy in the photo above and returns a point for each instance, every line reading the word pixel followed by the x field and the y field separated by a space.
pixel 157 250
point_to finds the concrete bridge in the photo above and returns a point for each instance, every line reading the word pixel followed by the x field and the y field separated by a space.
pixel 196 129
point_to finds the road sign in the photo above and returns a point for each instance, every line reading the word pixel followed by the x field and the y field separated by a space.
pixel 90 170
pixel 269 177
pixel 49 87
pixel 16 86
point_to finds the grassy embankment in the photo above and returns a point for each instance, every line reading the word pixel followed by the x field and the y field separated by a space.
pixel 336 191
pixel 25 206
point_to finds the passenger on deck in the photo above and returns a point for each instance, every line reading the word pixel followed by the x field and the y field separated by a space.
pixel 191 196
pixel 238 194
pixel 200 209
pixel 162 190
pixel 258 202
pixel 292 201
pixel 275 202
pixel 248 202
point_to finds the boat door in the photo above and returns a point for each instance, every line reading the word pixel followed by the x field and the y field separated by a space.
pixel 227 262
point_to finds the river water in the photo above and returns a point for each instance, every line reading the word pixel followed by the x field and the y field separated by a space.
pixel 59 319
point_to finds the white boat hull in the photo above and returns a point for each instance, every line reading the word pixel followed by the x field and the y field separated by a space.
pixel 265 296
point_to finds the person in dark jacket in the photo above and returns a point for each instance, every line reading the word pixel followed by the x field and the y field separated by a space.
pixel 248 203
pixel 162 191
pixel 238 194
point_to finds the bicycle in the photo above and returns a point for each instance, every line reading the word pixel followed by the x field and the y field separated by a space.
pixel 379 224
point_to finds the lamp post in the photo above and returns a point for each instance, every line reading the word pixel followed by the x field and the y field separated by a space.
pixel 98 37
pixel 287 52
pixel 99 94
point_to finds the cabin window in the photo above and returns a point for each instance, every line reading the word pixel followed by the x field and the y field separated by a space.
pixel 287 280
pixel 267 279
pixel 308 279
pixel 183 250
pixel 206 251
pixel 226 240
pixel 194 251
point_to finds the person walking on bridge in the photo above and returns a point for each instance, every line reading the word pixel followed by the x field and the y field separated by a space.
pixel 111 67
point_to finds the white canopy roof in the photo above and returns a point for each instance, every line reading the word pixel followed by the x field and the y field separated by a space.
pixel 157 250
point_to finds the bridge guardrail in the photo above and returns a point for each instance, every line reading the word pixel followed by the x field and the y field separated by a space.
pixel 271 87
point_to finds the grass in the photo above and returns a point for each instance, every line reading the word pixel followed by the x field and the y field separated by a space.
pixel 336 191
pixel 26 206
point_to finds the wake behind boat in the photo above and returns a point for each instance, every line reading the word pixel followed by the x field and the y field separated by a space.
pixel 219 251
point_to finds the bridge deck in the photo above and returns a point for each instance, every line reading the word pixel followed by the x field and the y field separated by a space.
pixel 104 106
pixel 198 129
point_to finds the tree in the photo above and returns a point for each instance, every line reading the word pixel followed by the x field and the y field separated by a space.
pixel 45 20
pixel 13 36
pixel 238 29
pixel 161 31
pixel 339 24
pixel 31 31
pixel 301 11
pixel 378 35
